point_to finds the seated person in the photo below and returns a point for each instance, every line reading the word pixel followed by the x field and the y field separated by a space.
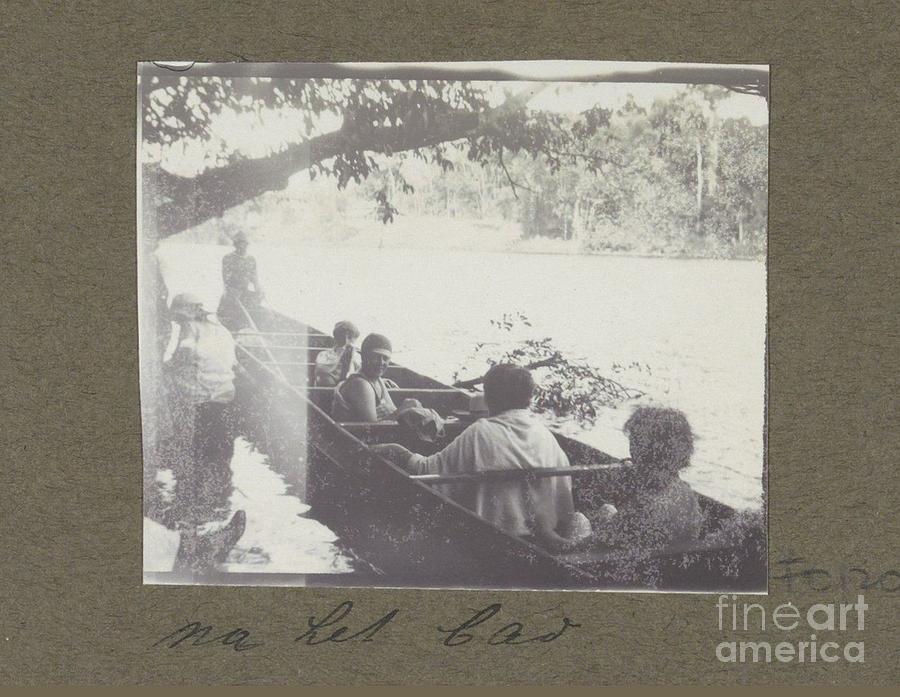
pixel 364 396
pixel 663 510
pixel 335 364
pixel 511 437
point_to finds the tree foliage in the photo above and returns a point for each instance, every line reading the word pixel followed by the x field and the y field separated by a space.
pixel 564 387
pixel 428 119
pixel 632 187
pixel 418 118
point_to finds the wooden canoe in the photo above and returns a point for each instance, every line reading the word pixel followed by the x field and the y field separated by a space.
pixel 406 532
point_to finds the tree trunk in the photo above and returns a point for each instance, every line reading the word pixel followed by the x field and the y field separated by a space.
pixel 712 169
pixel 699 187
pixel 481 192
pixel 391 186
pixel 576 220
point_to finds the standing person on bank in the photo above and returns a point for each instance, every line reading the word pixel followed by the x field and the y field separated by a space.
pixel 241 282
pixel 334 365
pixel 200 375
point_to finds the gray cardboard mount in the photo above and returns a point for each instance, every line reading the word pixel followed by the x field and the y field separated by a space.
pixel 72 606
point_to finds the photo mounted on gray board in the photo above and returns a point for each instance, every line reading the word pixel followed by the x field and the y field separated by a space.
pixel 454 325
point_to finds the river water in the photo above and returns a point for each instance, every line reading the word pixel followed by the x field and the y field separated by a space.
pixel 691 331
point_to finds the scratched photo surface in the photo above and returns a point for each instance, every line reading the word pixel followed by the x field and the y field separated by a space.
pixel 456 325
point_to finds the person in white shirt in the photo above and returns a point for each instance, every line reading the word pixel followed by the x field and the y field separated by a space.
pixel 200 377
pixel 511 437
pixel 335 364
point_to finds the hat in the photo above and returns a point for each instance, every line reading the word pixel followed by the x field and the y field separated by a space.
pixel 421 423
pixel 377 343
pixel 183 301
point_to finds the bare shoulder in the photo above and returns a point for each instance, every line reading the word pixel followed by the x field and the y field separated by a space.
pixel 356 388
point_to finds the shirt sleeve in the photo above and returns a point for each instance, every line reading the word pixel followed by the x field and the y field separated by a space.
pixel 557 490
pixel 174 337
pixel 457 458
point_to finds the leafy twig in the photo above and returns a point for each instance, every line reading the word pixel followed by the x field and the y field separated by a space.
pixel 546 362
pixel 512 183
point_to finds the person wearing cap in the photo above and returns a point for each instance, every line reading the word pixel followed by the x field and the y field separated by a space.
pixel 335 364
pixel 241 282
pixel 364 396
pixel 511 437
pixel 200 377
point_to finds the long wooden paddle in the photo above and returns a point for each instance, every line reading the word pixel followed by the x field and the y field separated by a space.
pixel 536 473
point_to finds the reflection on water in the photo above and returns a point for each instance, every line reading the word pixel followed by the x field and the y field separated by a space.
pixel 279 538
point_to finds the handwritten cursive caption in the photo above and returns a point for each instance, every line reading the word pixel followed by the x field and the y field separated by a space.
pixel 338 626
pixel 795 573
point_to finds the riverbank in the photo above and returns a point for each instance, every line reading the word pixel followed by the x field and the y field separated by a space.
pixel 304 222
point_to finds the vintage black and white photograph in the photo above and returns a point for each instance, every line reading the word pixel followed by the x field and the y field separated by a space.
pixel 454 325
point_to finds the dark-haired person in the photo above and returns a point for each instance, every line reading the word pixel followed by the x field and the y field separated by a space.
pixel 241 282
pixel 364 396
pixel 334 365
pixel 663 510
pixel 511 437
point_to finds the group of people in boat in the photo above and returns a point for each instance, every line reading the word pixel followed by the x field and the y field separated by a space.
pixel 662 511
pixel 201 365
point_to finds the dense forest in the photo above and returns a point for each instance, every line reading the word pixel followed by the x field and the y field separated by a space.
pixel 675 179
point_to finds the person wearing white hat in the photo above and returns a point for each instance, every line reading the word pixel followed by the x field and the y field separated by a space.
pixel 200 377
pixel 364 396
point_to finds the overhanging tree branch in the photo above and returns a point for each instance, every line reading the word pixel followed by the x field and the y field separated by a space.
pixel 183 202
